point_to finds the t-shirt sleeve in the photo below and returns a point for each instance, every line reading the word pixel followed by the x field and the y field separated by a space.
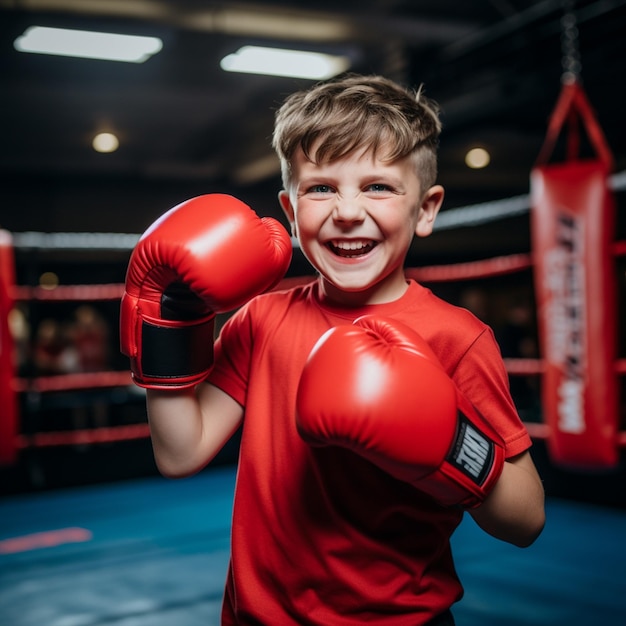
pixel 232 351
pixel 482 377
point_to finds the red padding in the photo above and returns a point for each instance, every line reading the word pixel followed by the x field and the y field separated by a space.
pixel 8 398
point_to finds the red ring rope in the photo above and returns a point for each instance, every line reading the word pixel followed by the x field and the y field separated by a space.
pixel 73 293
pixel 497 266
pixel 86 436
pixel 70 382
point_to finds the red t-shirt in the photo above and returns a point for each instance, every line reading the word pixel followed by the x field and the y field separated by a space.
pixel 320 535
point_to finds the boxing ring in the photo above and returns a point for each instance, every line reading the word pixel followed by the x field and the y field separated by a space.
pixel 574 261
pixel 153 552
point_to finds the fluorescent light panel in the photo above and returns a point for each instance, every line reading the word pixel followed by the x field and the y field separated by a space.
pixel 87 44
pixel 280 62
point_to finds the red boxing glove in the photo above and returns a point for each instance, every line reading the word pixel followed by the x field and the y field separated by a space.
pixel 377 388
pixel 205 256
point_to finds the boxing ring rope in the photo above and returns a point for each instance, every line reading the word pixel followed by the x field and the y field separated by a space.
pixel 11 441
pixel 72 382
pixel 89 436
pixel 63 293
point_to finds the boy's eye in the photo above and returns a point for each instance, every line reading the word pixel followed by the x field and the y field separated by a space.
pixel 378 187
pixel 320 189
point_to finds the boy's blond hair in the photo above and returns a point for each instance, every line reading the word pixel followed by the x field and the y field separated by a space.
pixel 338 117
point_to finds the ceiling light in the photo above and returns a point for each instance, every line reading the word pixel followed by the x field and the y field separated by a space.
pixel 87 44
pixel 280 62
pixel 477 158
pixel 105 142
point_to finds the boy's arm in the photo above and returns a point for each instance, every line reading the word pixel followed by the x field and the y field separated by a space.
pixel 207 255
pixel 189 426
pixel 514 510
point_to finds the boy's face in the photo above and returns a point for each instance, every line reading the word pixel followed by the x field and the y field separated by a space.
pixel 355 219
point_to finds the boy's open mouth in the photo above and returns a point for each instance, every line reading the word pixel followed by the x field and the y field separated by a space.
pixel 351 249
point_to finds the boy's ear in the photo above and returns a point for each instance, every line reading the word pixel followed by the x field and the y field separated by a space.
pixel 431 203
pixel 285 205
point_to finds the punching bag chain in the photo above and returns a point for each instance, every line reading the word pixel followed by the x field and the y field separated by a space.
pixel 569 43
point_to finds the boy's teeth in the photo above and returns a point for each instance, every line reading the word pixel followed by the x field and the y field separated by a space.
pixel 352 248
pixel 350 245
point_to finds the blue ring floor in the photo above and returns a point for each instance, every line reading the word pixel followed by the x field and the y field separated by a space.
pixel 154 552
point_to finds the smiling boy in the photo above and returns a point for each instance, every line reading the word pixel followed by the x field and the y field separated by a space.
pixel 374 413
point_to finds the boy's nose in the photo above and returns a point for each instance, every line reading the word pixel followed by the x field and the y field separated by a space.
pixel 348 210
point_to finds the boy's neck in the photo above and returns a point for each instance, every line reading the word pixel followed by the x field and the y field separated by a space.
pixel 367 297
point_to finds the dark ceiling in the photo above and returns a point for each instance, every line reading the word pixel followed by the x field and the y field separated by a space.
pixel 187 127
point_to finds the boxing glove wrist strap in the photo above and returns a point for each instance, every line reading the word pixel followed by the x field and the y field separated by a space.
pixel 178 352
pixel 470 470
pixel 472 453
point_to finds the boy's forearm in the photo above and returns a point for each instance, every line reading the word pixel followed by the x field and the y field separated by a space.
pixel 514 511
pixel 176 430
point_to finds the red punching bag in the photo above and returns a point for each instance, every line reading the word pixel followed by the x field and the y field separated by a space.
pixel 572 228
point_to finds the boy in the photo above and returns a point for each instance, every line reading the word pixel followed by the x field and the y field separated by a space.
pixel 373 413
